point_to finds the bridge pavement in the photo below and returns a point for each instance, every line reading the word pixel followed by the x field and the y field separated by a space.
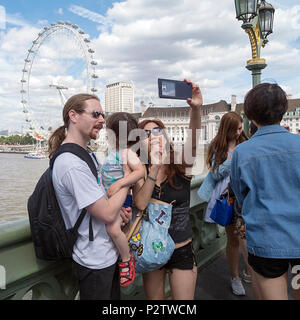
pixel 213 281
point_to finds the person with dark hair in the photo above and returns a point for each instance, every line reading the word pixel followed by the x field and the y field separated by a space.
pixel 114 180
pixel 230 134
pixel 94 261
pixel 265 178
pixel 167 181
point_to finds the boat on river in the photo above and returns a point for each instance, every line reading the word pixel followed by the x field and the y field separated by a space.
pixel 36 155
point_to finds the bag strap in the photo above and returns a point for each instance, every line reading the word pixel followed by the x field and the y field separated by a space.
pixel 85 156
pixel 156 200
pixel 146 172
pixel 132 228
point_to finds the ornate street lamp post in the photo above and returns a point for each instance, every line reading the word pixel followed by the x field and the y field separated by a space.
pixel 257 17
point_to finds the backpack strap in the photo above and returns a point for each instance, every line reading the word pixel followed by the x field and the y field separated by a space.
pixel 83 155
pixel 79 152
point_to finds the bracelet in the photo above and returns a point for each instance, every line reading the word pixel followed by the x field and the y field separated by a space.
pixel 151 178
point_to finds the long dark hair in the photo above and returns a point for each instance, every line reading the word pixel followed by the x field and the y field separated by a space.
pixel 218 149
pixel 75 103
pixel 172 168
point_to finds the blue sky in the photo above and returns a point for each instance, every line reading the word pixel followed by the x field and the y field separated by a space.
pixel 140 41
pixel 52 11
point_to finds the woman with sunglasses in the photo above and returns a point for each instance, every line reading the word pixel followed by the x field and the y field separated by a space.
pixel 168 181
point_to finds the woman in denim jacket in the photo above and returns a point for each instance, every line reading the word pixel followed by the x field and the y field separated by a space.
pixel 265 177
pixel 219 156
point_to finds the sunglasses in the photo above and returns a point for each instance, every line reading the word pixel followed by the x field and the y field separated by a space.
pixel 156 131
pixel 95 114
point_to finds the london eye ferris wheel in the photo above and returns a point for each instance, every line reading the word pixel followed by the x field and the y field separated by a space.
pixel 59 64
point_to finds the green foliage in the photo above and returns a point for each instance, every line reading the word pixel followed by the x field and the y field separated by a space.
pixel 16 139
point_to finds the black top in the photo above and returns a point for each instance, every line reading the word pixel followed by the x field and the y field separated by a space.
pixel 180 229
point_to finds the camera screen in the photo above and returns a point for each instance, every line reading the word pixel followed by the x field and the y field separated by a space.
pixel 168 88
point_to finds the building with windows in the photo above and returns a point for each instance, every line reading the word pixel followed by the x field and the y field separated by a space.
pixel 119 97
pixel 292 116
pixel 176 120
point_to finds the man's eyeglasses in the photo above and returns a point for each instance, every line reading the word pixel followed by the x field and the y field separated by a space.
pixel 156 131
pixel 95 114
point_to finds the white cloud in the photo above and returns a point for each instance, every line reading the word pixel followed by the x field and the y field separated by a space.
pixel 43 22
pixel 85 13
pixel 149 39
pixel 2 17
pixel 15 19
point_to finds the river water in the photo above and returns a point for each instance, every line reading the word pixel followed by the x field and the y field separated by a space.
pixel 18 177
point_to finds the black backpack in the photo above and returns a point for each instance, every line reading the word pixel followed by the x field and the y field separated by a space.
pixel 51 239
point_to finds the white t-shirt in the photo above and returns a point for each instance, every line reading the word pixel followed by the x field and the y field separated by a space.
pixel 76 188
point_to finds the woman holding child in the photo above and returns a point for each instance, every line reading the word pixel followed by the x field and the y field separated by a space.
pixel 168 181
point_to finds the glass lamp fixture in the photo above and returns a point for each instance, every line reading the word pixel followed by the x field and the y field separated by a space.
pixel 245 9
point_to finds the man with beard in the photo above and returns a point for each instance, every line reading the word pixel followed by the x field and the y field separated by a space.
pixel 76 189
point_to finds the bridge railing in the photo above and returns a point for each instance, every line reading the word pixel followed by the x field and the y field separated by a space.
pixel 23 276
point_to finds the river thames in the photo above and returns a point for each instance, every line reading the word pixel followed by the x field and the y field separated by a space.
pixel 18 177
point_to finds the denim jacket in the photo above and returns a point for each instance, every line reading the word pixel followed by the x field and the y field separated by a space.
pixel 210 181
pixel 265 177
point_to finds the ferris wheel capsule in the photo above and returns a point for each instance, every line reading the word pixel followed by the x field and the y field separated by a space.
pixel 81 32
pixel 23 80
pixel 46 28
pixel 94 90
pixel 68 23
pixel 24 70
pixel 27 60
pixel 60 22
pixel 91 51
pixel 94 63
pixel 75 26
